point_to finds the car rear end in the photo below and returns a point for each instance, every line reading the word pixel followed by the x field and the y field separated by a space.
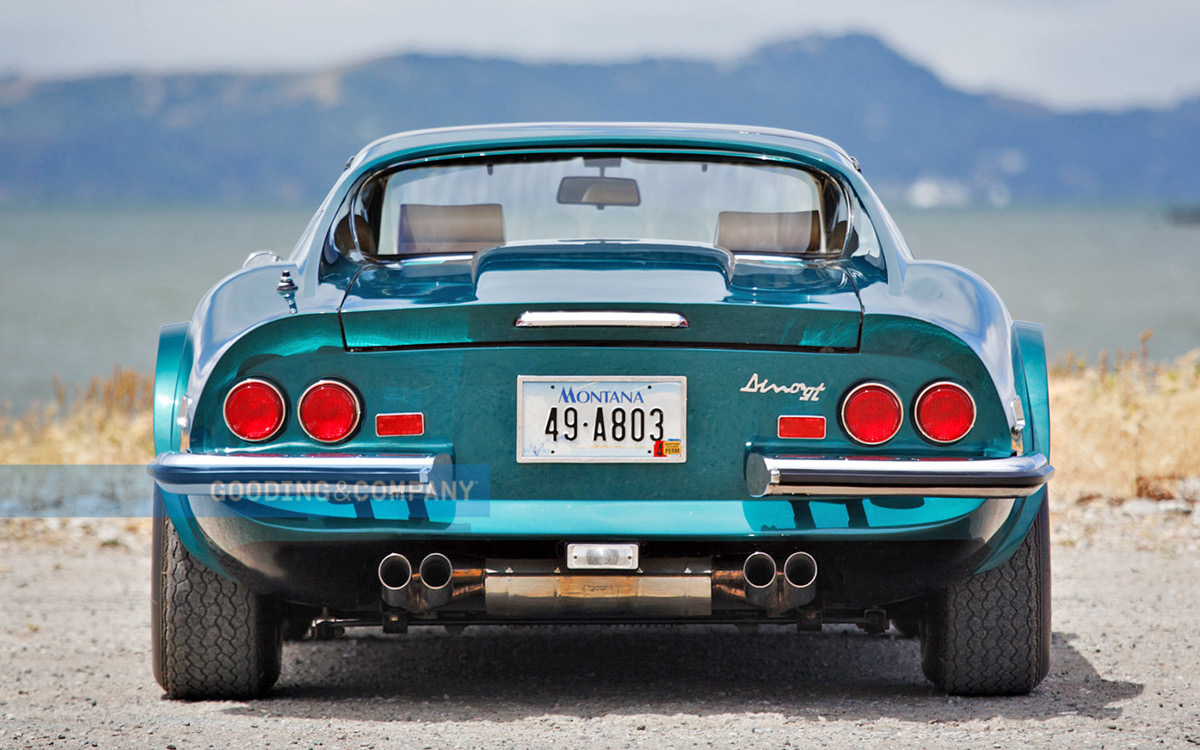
pixel 690 450
pixel 745 430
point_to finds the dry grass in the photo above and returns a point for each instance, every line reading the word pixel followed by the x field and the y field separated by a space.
pixel 1122 427
pixel 1126 426
pixel 108 422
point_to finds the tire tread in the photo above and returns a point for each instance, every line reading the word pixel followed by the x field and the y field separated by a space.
pixel 218 639
pixel 989 634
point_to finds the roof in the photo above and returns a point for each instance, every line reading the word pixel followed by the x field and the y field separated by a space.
pixel 567 134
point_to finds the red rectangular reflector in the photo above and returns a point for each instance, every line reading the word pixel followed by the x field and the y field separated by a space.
pixel 812 428
pixel 391 425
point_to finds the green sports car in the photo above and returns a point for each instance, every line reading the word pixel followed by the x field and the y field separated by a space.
pixel 600 373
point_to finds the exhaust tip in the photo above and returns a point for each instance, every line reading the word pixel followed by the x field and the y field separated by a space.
pixel 759 571
pixel 395 572
pixel 436 571
pixel 800 570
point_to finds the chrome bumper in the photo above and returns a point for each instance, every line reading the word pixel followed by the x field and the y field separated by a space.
pixel 1015 476
pixel 197 473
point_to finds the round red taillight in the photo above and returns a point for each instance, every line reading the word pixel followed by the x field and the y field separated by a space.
pixel 944 413
pixel 872 413
pixel 254 410
pixel 329 411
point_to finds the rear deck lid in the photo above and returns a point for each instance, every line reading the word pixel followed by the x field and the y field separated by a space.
pixel 608 292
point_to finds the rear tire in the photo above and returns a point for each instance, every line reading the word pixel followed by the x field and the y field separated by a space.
pixel 212 637
pixel 907 627
pixel 989 634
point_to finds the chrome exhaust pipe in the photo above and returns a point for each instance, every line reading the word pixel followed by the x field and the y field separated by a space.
pixel 395 580
pixel 758 579
pixel 799 580
pixel 437 580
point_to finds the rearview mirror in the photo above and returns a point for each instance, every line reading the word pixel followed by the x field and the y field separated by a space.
pixel 599 191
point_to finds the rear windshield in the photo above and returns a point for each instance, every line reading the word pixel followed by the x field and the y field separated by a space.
pixel 458 206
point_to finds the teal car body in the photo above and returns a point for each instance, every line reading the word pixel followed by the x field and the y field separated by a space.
pixel 762 337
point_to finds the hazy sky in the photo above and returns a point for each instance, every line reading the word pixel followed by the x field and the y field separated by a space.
pixel 1065 53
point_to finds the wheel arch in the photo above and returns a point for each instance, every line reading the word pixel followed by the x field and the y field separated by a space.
pixel 1030 370
pixel 172 369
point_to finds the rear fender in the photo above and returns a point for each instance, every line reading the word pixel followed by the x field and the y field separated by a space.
pixel 1029 366
pixel 173 365
pixel 1030 362
pixel 175 507
pixel 170 378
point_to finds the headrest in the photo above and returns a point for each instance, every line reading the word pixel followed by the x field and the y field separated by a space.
pixel 443 230
pixel 343 236
pixel 839 241
pixel 792 232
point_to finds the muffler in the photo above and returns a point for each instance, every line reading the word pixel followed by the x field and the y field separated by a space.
pixel 536 589
pixel 539 589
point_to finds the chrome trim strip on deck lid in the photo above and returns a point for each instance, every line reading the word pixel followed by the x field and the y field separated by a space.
pixel 599 318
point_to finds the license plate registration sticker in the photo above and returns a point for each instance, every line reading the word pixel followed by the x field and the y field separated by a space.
pixel 572 419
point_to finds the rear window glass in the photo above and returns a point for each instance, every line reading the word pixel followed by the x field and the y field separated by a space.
pixel 467 206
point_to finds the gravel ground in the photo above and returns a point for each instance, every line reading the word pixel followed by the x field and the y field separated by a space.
pixel 1125 671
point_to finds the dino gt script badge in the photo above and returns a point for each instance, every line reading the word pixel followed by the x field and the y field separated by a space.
pixel 805 392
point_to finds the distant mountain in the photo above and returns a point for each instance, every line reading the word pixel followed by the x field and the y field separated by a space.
pixel 272 138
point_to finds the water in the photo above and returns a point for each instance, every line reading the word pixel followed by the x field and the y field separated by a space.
pixel 86 290
pixel 1095 278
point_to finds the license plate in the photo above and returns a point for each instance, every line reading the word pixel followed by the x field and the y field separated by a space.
pixel 601 419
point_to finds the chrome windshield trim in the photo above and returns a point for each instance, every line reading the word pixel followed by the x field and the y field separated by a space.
pixel 1014 476
pixel 599 318
pixel 425 260
pixel 789 260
